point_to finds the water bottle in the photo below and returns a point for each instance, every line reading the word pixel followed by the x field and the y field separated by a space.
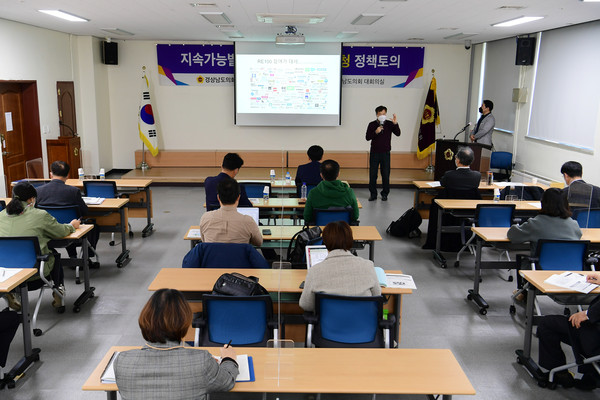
pixel 496 194
pixel 303 191
pixel 272 177
pixel 266 193
pixel 102 174
pixel 288 178
pixel 80 172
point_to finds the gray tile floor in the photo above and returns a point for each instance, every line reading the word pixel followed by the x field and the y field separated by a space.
pixel 435 316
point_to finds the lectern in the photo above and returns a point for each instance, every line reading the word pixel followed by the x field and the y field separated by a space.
pixel 445 150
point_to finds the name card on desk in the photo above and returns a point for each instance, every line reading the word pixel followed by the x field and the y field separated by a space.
pixel 194 233
pixel 93 200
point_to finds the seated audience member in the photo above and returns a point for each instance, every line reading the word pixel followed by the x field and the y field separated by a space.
pixel 9 323
pixel 163 368
pixel 230 167
pixel 58 193
pixel 310 173
pixel 460 183
pixel 331 192
pixel 581 331
pixel 226 225
pixel 552 222
pixel 341 273
pixel 21 218
pixel 579 193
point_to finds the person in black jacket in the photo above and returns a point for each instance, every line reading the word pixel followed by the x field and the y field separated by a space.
pixel 9 322
pixel 581 331
pixel 462 178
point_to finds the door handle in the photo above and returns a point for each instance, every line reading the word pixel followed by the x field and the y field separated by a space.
pixel 6 153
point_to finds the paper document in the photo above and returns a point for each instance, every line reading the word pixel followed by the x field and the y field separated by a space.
pixel 245 368
pixel 194 233
pixel 400 281
pixel 505 184
pixel 7 273
pixel 434 184
pixel 572 281
pixel 536 204
pixel 93 200
pixel 108 376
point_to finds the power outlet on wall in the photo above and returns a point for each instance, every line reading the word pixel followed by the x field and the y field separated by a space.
pixel 46 129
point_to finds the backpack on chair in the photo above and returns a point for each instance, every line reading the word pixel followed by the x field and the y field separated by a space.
pixel 300 240
pixel 407 225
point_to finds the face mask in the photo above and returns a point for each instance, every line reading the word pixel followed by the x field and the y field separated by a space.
pixel 381 119
pixel 481 110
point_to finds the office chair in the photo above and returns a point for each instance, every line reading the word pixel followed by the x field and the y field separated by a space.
pixel 523 192
pixel 556 255
pixel 348 321
pixel 502 161
pixel 2 205
pixel 245 320
pixel 224 255
pixel 580 359
pixel 34 168
pixel 323 216
pixel 24 252
pixel 488 215
pixel 106 190
pixel 587 218
pixel 255 190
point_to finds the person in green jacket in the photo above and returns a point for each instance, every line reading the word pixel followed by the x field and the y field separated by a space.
pixel 21 218
pixel 330 192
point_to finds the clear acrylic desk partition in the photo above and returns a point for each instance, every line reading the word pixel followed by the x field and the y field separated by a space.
pixel 279 363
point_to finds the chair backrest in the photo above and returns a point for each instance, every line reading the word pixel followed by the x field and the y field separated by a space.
pixel 224 255
pixel 346 321
pixel 63 214
pixel 19 252
pixel 2 205
pixel 35 168
pixel 494 215
pixel 255 189
pixel 587 218
pixel 523 192
pixel 561 255
pixel 38 182
pixel 241 319
pixel 324 216
pixel 104 189
pixel 501 160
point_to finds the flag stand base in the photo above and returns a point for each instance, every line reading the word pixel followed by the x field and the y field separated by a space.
pixel 430 168
pixel 143 166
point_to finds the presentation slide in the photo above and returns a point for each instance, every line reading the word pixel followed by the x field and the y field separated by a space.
pixel 288 89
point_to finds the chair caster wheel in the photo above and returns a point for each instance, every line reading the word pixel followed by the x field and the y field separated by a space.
pixel 469 297
pixel 512 310
pixel 61 309
pixel 483 311
pixel 111 243
pixel 510 278
pixel 76 309
pixel 480 280
pixel 456 264
pixel 37 332
pixel 78 281
pixel 130 234
pixel 444 265
pixel 542 384
pixel 11 384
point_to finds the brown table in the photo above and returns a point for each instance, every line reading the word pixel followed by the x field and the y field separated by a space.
pixel 196 281
pixel 365 234
pixel 356 371
pixel 31 355
pixel 112 216
pixel 535 287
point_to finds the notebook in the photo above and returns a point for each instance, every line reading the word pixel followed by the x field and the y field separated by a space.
pixel 251 211
pixel 315 254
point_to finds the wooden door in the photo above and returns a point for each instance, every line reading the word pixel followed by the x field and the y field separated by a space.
pixel 11 133
pixel 66 108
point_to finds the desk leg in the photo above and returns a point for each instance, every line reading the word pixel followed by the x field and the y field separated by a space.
pixel 123 258
pixel 437 254
pixel 111 395
pixel 474 293
pixel 397 314
pixel 31 355
pixel 524 356
pixel 88 291
pixel 371 250
pixel 149 229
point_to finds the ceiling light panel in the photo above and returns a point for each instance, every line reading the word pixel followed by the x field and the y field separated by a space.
pixel 216 17
pixel 516 21
pixel 64 15
pixel 117 31
pixel 291 19
pixel 366 19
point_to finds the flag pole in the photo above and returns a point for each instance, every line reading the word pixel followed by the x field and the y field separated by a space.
pixel 430 168
pixel 143 165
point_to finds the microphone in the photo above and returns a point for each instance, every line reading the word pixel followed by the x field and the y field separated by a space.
pixel 68 127
pixel 461 131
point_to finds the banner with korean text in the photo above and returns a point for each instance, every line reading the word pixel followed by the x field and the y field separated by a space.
pixel 195 64
pixel 382 67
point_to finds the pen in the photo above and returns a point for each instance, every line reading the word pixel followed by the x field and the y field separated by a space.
pixel 228 344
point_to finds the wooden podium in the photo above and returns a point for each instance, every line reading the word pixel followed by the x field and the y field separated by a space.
pixel 445 150
pixel 67 149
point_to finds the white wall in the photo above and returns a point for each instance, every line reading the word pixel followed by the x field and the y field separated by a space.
pixel 202 117
pixel 40 55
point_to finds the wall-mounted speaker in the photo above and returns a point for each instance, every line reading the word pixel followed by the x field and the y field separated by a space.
pixel 525 51
pixel 110 53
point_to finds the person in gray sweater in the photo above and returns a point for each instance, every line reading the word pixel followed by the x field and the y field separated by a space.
pixel 553 222
pixel 163 368
pixel 341 273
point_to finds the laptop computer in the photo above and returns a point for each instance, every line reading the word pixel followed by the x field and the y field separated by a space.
pixel 251 211
pixel 315 254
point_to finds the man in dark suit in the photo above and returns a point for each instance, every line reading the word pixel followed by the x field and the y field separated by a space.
pixel 462 178
pixel 58 193
pixel 581 331
pixel 230 167
pixel 310 173
pixel 579 193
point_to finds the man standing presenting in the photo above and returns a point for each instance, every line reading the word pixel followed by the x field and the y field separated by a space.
pixel 379 132
pixel 482 133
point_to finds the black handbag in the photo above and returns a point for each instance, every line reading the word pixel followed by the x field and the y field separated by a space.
pixel 307 236
pixel 235 284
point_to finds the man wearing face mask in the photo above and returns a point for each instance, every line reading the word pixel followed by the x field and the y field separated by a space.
pixel 482 133
pixel 379 132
